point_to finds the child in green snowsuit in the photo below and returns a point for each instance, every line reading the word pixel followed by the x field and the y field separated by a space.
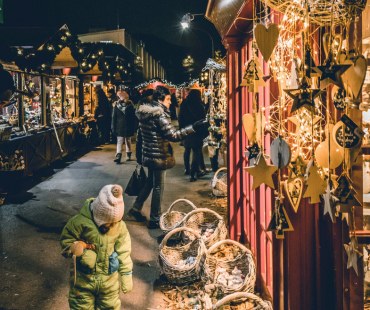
pixel 103 262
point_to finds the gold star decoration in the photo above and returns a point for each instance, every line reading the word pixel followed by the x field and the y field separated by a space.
pixel 353 254
pixel 329 201
pixel 331 74
pixel 280 221
pixel 303 96
pixel 261 172
pixel 315 185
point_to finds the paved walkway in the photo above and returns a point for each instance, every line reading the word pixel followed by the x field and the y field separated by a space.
pixel 33 273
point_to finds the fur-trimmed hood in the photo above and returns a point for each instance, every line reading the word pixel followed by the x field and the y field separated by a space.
pixel 146 111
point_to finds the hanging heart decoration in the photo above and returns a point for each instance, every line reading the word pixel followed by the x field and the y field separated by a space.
pixel 354 77
pixel 266 39
pixel 294 191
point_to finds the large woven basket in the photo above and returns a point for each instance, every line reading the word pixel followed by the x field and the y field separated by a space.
pixel 175 214
pixel 170 256
pixel 219 183
pixel 250 300
pixel 203 218
pixel 228 254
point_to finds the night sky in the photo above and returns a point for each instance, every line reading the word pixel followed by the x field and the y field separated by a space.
pixel 156 23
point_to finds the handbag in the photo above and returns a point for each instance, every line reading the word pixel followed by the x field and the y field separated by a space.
pixel 136 182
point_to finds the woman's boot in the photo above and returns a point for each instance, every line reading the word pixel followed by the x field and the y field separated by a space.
pixel 128 156
pixel 117 160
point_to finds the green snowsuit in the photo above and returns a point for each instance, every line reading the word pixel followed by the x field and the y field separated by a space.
pixel 96 287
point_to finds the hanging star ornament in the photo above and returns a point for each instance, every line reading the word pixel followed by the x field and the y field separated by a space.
pixel 253 151
pixel 331 74
pixel 353 254
pixel 315 185
pixel 329 201
pixel 303 96
pixel 262 172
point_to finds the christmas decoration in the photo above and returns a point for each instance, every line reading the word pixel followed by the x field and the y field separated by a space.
pixel 261 172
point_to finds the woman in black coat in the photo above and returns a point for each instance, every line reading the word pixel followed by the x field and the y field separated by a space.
pixel 123 124
pixel 103 116
pixel 192 110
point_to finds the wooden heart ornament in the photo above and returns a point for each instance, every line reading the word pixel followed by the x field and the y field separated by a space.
pixel 294 191
pixel 266 39
pixel 253 124
pixel 354 77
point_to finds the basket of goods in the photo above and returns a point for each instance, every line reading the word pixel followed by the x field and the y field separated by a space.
pixel 219 183
pixel 230 267
pixel 175 214
pixel 182 262
pixel 243 300
pixel 208 223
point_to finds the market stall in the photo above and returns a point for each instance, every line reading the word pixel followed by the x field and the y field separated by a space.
pixel 295 73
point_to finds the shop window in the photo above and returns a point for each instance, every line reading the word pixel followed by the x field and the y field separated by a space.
pixel 32 104
pixel 70 102
pixel 55 93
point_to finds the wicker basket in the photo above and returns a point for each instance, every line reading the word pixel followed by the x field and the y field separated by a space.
pixel 169 257
pixel 175 214
pixel 249 299
pixel 203 218
pixel 219 183
pixel 237 256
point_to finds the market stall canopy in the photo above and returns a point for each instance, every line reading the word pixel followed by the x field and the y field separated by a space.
pixel 64 59
pixel 222 14
pixel 9 66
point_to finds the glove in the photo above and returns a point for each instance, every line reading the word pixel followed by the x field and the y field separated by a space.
pixel 126 283
pixel 198 125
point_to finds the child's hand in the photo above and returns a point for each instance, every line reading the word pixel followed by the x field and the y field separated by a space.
pixel 126 283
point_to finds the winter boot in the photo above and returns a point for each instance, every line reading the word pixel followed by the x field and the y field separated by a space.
pixel 128 156
pixel 117 160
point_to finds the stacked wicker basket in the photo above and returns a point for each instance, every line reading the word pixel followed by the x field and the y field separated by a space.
pixel 195 248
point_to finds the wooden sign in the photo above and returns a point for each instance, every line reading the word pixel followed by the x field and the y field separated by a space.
pixel 280 152
pixel 322 153
pixel 266 39
pixel 294 191
pixel 347 134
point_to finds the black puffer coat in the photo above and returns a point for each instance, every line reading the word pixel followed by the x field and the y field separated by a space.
pixel 156 132
pixel 124 119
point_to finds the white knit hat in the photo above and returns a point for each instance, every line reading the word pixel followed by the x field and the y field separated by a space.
pixel 108 207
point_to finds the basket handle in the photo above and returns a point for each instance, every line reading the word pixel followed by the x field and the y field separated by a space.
pixel 219 170
pixel 239 295
pixel 175 231
pixel 229 241
pixel 202 210
pixel 179 200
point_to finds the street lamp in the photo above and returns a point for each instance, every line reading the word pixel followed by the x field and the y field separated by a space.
pixel 185 24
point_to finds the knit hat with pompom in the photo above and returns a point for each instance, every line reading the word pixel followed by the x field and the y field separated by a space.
pixel 108 207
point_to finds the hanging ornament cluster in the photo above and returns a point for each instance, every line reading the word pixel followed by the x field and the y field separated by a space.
pixel 309 141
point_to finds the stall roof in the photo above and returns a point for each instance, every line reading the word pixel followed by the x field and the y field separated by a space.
pixel 64 59
pixel 224 14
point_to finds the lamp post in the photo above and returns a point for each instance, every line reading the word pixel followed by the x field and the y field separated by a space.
pixel 185 24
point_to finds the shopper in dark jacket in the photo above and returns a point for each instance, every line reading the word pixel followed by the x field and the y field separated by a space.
pixel 192 110
pixel 157 153
pixel 123 124
pixel 103 116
